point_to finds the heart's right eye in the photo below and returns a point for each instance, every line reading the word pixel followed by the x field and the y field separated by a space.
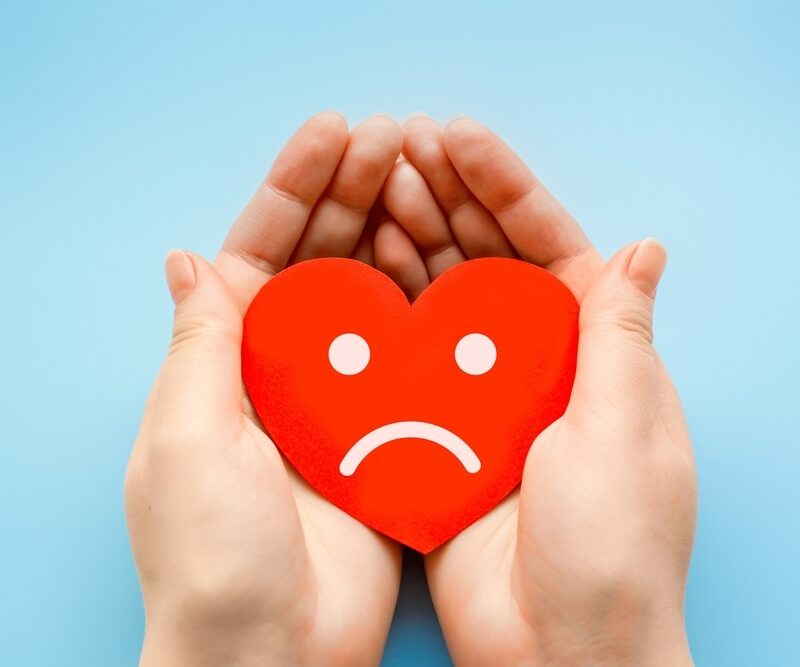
pixel 348 354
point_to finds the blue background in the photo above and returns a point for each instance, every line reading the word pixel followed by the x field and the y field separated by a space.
pixel 127 131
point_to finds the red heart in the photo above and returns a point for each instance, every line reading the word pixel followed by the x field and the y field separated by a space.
pixel 425 484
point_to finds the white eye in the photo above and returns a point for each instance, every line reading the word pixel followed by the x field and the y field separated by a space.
pixel 475 354
pixel 348 354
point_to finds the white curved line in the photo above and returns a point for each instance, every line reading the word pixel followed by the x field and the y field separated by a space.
pixel 424 430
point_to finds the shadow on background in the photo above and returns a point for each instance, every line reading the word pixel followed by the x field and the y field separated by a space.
pixel 415 637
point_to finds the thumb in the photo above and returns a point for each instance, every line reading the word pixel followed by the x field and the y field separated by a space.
pixel 617 366
pixel 201 377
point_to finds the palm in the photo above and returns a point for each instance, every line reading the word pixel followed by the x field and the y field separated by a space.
pixel 310 550
pixel 314 203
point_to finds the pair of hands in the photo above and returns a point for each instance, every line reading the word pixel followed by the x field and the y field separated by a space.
pixel 242 563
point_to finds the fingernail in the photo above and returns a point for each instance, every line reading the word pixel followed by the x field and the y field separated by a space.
pixel 180 272
pixel 647 265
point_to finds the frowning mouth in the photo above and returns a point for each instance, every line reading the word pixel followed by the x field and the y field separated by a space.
pixel 409 429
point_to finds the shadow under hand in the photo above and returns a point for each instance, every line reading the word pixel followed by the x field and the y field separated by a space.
pixel 415 637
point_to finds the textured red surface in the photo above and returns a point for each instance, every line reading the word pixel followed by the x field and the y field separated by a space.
pixel 412 490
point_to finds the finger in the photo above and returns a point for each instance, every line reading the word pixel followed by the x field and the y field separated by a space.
pixel 617 369
pixel 365 249
pixel 338 220
pixel 408 199
pixel 474 227
pixel 200 382
pixel 541 230
pixel 397 257
pixel 265 234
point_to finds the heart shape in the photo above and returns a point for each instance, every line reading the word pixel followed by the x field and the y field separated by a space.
pixel 414 419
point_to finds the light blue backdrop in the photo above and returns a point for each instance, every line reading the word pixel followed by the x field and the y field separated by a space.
pixel 127 131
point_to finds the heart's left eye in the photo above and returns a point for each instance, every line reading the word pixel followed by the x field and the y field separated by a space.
pixel 348 354
pixel 476 354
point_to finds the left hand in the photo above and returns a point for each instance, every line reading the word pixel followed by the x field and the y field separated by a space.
pixel 587 563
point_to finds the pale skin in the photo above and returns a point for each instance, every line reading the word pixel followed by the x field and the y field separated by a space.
pixel 587 563
pixel 241 563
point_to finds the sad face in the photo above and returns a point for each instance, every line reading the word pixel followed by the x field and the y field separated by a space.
pixel 414 419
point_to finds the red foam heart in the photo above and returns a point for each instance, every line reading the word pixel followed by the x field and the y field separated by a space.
pixel 425 484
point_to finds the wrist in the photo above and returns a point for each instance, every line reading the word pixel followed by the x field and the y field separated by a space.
pixel 625 644
pixel 209 642
pixel 667 646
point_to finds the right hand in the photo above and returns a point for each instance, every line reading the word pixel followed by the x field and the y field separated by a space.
pixel 240 561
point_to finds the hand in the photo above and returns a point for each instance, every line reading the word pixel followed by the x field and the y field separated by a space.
pixel 240 562
pixel 587 563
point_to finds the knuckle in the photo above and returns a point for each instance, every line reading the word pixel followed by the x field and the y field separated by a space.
pixel 632 320
pixel 636 325
pixel 194 331
pixel 349 194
